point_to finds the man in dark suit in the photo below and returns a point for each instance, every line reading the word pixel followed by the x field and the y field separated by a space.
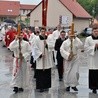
pixel 59 58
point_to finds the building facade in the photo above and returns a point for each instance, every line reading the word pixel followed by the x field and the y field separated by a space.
pixel 14 10
pixel 62 12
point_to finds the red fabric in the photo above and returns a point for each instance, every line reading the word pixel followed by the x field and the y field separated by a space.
pixel 29 34
pixel 25 35
pixel 7 39
pixel 10 36
pixel 44 12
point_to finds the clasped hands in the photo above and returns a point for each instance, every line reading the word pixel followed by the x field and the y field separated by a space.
pixel 20 55
pixel 70 57
pixel 17 37
pixel 42 55
pixel 96 45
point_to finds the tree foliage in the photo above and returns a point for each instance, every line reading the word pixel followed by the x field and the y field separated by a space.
pixel 91 6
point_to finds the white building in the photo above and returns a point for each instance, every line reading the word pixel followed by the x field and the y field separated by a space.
pixel 61 11
pixel 25 9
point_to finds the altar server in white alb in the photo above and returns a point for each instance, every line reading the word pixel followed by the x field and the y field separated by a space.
pixel 44 61
pixel 69 51
pixel 56 35
pixel 91 48
pixel 21 71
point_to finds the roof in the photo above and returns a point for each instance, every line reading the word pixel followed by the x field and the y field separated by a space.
pixel 9 8
pixel 27 7
pixel 12 8
pixel 34 9
pixel 75 8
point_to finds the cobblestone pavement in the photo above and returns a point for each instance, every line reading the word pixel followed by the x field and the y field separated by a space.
pixel 58 88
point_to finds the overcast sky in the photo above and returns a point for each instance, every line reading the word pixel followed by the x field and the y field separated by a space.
pixel 26 1
pixel 30 1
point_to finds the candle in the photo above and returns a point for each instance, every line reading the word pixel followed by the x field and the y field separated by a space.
pixel 19 29
pixel 72 29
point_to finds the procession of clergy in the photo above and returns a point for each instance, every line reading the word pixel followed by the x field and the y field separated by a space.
pixel 43 49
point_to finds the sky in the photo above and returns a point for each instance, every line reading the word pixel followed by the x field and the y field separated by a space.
pixel 30 1
pixel 26 1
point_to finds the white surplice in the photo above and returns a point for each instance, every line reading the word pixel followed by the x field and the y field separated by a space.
pixel 56 35
pixel 22 77
pixel 71 68
pixel 32 41
pixel 38 50
pixel 91 53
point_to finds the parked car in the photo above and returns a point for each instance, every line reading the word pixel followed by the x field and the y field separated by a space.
pixel 87 32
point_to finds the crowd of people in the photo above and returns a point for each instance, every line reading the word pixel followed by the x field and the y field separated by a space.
pixel 43 49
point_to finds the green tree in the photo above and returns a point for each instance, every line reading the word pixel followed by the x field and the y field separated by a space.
pixel 91 6
pixel 27 21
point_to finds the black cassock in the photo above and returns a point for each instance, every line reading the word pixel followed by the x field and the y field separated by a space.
pixel 43 78
pixel 59 58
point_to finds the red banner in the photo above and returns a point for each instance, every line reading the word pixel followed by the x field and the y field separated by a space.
pixel 44 12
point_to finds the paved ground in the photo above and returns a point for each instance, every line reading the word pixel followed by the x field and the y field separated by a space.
pixel 58 88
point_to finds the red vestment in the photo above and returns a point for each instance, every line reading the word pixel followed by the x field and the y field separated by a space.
pixel 10 36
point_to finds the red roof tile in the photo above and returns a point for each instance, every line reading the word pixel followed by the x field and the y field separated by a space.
pixel 27 7
pixel 9 8
pixel 74 7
